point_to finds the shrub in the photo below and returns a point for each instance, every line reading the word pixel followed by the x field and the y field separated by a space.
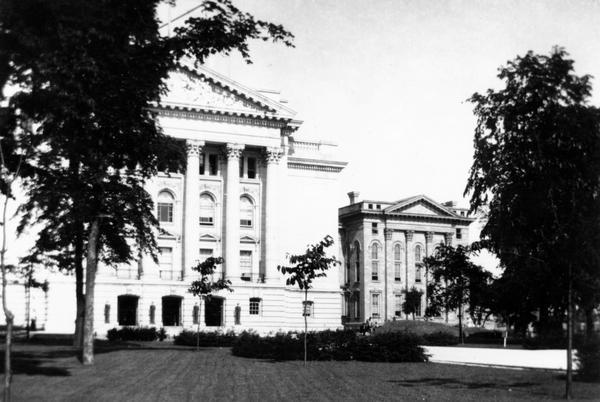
pixel 440 339
pixel 332 345
pixel 417 327
pixel 208 338
pixel 133 334
pixel 588 355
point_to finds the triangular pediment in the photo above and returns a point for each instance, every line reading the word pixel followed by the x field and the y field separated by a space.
pixel 420 205
pixel 202 89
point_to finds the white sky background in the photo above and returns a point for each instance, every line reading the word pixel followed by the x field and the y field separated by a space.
pixel 387 80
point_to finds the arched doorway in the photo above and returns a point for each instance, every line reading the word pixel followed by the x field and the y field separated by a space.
pixel 171 311
pixel 127 306
pixel 213 312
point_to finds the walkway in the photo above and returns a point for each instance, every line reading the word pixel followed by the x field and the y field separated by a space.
pixel 551 359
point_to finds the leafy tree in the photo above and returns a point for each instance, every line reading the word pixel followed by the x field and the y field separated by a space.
pixel 88 74
pixel 458 280
pixel 207 285
pixel 412 301
pixel 305 269
pixel 536 167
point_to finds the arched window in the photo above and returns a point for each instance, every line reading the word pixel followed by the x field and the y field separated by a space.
pixel 375 262
pixel 207 210
pixel 357 261
pixel 418 257
pixel 418 263
pixel 165 206
pixel 246 212
pixel 397 262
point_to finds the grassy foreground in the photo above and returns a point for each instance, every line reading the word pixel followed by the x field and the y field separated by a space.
pixel 163 372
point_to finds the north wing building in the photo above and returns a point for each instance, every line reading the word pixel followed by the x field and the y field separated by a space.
pixel 383 244
pixel 248 195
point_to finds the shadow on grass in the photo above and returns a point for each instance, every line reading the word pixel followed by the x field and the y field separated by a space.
pixel 35 363
pixel 454 383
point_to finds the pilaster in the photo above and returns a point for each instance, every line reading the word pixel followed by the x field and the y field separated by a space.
pixel 232 211
pixel 448 238
pixel 191 223
pixel 272 159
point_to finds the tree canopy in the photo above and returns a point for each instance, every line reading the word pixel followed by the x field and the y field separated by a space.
pixel 536 167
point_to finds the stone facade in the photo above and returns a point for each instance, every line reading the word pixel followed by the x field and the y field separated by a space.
pixel 383 243
pixel 246 196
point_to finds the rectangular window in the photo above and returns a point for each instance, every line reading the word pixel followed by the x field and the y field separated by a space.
pixel 247 223
pixel 375 305
pixel 374 229
pixel 252 168
pixel 165 212
pixel 206 220
pixel 418 309
pixel 397 305
pixel 213 164
pixel 205 253
pixel 375 270
pixel 165 261
pixel 458 233
pixel 418 273
pixel 202 166
pixel 398 271
pixel 245 262
pixel 242 166
pixel 254 308
pixel 370 206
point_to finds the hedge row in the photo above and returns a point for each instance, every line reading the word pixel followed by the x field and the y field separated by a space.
pixel 332 345
pixel 136 334
pixel 215 338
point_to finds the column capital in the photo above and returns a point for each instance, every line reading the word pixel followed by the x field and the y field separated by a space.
pixel 409 235
pixel 193 147
pixel 272 155
pixel 448 237
pixel 429 237
pixel 233 151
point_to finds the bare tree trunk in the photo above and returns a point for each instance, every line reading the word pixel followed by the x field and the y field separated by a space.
pixel 198 328
pixel 460 327
pixel 7 313
pixel 79 295
pixel 569 383
pixel 91 265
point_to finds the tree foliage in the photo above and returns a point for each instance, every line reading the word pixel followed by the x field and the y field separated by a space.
pixel 88 75
pixel 207 285
pixel 412 301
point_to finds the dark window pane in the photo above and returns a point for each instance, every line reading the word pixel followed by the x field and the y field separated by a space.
pixel 213 164
pixel 252 168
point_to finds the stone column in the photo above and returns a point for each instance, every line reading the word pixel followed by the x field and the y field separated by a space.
pixel 191 220
pixel 388 273
pixel 428 252
pixel 410 257
pixel 232 211
pixel 271 218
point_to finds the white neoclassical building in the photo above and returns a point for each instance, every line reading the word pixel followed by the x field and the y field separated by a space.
pixel 252 192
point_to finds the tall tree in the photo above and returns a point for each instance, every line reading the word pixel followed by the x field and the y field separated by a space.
pixel 305 268
pixel 88 75
pixel 458 280
pixel 536 166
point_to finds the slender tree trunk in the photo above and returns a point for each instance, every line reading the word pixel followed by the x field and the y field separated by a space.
pixel 198 328
pixel 7 313
pixel 305 325
pixel 91 265
pixel 569 383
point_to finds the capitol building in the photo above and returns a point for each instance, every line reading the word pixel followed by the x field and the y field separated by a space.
pixel 253 191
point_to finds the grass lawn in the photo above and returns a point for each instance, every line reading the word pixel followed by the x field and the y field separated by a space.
pixel 162 372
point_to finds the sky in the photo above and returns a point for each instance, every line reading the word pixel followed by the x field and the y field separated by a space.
pixel 388 80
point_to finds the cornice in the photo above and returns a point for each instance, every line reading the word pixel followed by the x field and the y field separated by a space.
pixel 242 118
pixel 315 164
